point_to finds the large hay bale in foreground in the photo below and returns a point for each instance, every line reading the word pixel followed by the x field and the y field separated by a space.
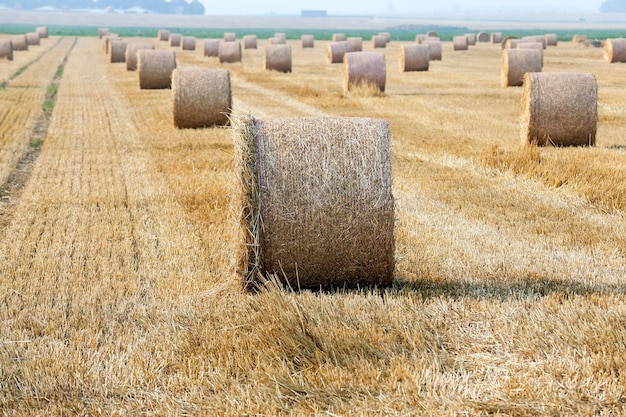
pixel 42 31
pixel 32 38
pixel 188 43
pixel 201 97
pixel 6 49
pixel 559 109
pixel 459 43
pixel 435 49
pixel 249 42
pixel 482 37
pixel 277 58
pixel 364 69
pixel 551 39
pixel 230 37
pixel 355 43
pixel 212 47
pixel 517 62
pixel 379 41
pixel 315 201
pixel 155 68
pixel 308 41
pixel 19 43
pixel 414 57
pixel 229 52
pixel 131 54
pixel 175 39
pixel 118 51
pixel 336 50
pixel 163 35
pixel 615 50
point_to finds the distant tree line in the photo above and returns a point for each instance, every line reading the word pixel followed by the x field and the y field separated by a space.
pixel 613 6
pixel 156 6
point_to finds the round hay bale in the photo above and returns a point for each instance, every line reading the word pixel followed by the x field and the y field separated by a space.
pixel 471 39
pixel 281 35
pixel 155 68
pixel 106 42
pixel 460 43
pixel 364 69
pixel 175 39
pixel 531 45
pixel 482 37
pixel 420 38
pixel 163 35
pixel 131 54
pixel 229 52
pixel 102 32
pixel 19 43
pixel 32 38
pixel 385 35
pixel 432 34
pixel 355 43
pixel 579 39
pixel 379 41
pixel 278 58
pixel 277 40
pixel 517 62
pixel 338 37
pixel 315 201
pixel 435 50
pixel 201 97
pixel 615 50
pixel 336 50
pixel 496 37
pixel 414 57
pixel 510 42
pixel 536 38
pixel 551 39
pixel 118 51
pixel 230 37
pixel 308 41
pixel 42 31
pixel 6 49
pixel 250 42
pixel 188 43
pixel 212 47
pixel 559 109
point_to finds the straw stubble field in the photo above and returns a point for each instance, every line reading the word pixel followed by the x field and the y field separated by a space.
pixel 117 293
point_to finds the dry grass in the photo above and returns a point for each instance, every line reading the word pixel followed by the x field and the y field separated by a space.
pixel 117 291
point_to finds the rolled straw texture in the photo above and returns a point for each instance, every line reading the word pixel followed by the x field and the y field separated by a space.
pixel 355 43
pixel 229 52
pixel 6 49
pixel 250 42
pixel 420 38
pixel 277 40
pixel 535 38
pixel 459 43
pixel 117 51
pixel 338 37
pixel 532 45
pixel 19 43
pixel 379 41
pixel 364 69
pixel 552 39
pixel 188 43
pixel 435 49
pixel 385 35
pixel 510 42
pixel 175 39
pixel 212 47
pixel 496 37
pixel 131 54
pixel 308 41
pixel 414 57
pixel 201 97
pixel 163 35
pixel 278 58
pixel 336 50
pixel 32 38
pixel 106 42
pixel 230 36
pixel 517 62
pixel 471 39
pixel 316 203
pixel 559 109
pixel 432 34
pixel 482 37
pixel 42 31
pixel 615 50
pixel 155 68
pixel 103 32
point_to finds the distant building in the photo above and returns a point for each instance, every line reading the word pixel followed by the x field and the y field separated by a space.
pixel 314 13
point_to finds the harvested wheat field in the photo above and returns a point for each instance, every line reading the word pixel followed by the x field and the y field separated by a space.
pixel 118 287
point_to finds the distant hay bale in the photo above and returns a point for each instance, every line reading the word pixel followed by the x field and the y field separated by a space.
pixel 551 39
pixel 460 43
pixel 155 68
pixel 338 37
pixel 277 40
pixel 363 69
pixel 471 39
pixel 6 49
pixel 355 43
pixel 117 51
pixel 386 35
pixel 281 35
pixel 229 52
pixel 420 38
pixel 201 97
pixel 559 109
pixel 496 37
pixel 615 50
pixel 308 41
pixel 131 54
pixel 42 31
pixel 510 42
pixel 517 62
pixel 414 57
pixel 106 42
pixel 278 58
pixel 580 40
pixel 102 32
pixel 163 35
pixel 32 38
pixel 535 38
pixel 19 43
pixel 315 202
pixel 379 41
pixel 230 37
pixel 212 47
pixel 432 34
pixel 188 43
pixel 250 42
pixel 336 50
pixel 175 39
pixel 435 49
pixel 482 37
pixel 532 45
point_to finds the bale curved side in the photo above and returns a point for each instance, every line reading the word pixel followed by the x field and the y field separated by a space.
pixel 6 49
pixel 131 54
pixel 201 97
pixel 496 37
pixel 155 68
pixel 175 39
pixel 435 49
pixel 336 50
pixel 278 58
pixel 355 43
pixel 32 38
pixel 308 41
pixel 230 37
pixel 163 35
pixel 460 43
pixel 517 62
pixel 379 41
pixel 19 43
pixel 42 31
pixel 188 43
pixel 552 39
pixel 414 57
pixel 250 42
pixel 615 50
pixel 364 69
pixel 229 52
pixel 117 51
pixel 212 47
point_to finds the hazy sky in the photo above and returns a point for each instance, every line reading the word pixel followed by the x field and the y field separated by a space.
pixel 293 7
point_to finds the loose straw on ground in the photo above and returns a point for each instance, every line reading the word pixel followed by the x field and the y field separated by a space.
pixel 201 97
pixel 414 57
pixel 155 68
pixel 364 69
pixel 517 62
pixel 278 58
